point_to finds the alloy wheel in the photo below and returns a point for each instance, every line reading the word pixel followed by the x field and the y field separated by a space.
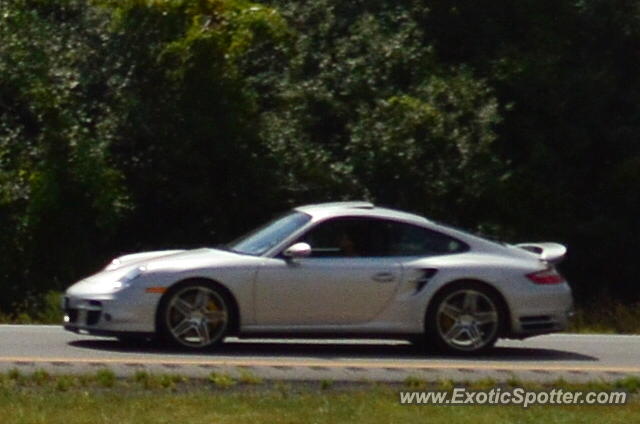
pixel 197 316
pixel 467 320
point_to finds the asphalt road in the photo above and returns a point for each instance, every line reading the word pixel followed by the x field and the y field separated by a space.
pixel 544 358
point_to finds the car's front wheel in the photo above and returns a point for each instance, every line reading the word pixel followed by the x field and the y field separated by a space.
pixel 194 315
pixel 465 319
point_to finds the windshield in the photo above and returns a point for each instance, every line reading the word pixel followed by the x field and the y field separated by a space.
pixel 264 238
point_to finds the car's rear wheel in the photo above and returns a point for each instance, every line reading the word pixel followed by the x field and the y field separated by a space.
pixel 465 319
pixel 194 315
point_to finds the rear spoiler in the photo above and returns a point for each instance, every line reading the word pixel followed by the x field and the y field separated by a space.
pixel 548 252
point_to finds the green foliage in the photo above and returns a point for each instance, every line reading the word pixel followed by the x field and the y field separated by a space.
pixel 365 110
pixel 64 383
pixel 605 314
pixel 188 142
pixel 40 377
pixel 150 381
pixel 118 119
pixel 105 378
pixel 136 124
pixel 431 151
pixel 630 384
pixel 326 384
pixel 413 382
pixel 197 403
pixel 222 381
pixel 568 92
pixel 59 195
pixel 249 378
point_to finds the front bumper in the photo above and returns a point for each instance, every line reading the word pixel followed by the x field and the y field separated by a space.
pixel 107 333
pixel 109 315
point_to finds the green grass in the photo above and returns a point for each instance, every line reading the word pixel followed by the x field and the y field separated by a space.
pixel 377 405
pixel 607 316
pixel 145 398
pixel 43 309
pixel 222 381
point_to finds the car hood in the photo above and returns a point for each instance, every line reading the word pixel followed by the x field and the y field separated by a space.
pixel 174 259
pixel 169 260
pixel 134 258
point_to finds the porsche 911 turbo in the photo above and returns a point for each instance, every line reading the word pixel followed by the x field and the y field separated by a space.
pixel 344 269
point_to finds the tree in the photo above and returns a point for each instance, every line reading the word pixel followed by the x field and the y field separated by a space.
pixel 60 197
pixel 365 109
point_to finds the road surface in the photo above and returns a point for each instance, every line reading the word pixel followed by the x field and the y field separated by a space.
pixel 544 358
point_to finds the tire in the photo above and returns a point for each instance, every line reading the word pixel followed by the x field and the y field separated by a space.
pixel 465 319
pixel 194 315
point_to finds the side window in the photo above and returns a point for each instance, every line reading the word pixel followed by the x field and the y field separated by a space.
pixel 347 237
pixel 368 237
pixel 411 240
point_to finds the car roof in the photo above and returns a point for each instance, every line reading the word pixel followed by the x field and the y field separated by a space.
pixel 358 208
pixel 321 211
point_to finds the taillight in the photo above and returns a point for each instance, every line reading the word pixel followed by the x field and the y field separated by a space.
pixel 547 276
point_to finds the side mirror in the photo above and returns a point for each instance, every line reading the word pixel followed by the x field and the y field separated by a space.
pixel 298 250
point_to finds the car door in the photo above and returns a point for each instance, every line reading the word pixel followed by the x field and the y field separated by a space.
pixel 346 280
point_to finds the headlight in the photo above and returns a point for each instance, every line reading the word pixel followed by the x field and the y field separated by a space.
pixel 125 281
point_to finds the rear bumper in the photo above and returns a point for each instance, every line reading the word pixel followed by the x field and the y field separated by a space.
pixel 546 309
pixel 535 325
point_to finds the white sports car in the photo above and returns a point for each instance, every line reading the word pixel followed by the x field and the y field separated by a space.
pixel 336 269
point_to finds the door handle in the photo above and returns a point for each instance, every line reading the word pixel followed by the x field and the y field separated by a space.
pixel 384 277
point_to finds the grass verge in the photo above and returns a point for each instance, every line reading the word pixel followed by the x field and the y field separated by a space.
pixel 42 309
pixel 606 316
pixel 145 398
